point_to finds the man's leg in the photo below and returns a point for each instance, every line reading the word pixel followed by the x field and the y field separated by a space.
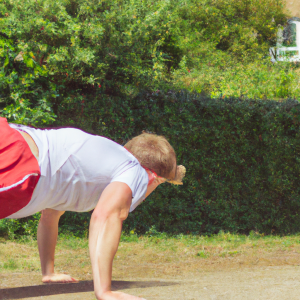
pixel 47 237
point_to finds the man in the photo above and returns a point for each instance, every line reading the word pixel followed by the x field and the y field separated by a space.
pixel 67 169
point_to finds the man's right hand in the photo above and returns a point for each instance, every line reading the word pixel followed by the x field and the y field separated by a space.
pixel 118 296
pixel 104 236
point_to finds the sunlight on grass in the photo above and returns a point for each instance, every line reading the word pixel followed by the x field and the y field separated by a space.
pixel 222 244
pixel 191 252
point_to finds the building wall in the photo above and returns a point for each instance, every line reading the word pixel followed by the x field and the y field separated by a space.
pixel 293 7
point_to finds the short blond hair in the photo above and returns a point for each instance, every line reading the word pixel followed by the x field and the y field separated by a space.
pixel 153 152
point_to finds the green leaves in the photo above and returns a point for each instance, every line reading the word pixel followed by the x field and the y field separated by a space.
pixel 22 96
pixel 260 79
pixel 6 62
pixel 126 45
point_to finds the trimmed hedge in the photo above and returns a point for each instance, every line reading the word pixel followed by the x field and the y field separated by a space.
pixel 241 157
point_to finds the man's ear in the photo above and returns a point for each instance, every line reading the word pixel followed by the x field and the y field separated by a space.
pixel 180 173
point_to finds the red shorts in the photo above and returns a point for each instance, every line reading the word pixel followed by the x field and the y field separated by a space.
pixel 19 171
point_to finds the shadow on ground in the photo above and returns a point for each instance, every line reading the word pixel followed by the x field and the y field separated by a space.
pixel 68 288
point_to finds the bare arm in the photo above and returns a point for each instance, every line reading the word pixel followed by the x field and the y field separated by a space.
pixel 105 231
pixel 47 238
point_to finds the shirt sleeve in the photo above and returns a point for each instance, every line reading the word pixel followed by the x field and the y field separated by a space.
pixel 137 179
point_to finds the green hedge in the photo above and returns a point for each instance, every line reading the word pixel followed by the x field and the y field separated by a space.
pixel 241 158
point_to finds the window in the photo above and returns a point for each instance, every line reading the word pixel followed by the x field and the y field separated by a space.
pixel 288 43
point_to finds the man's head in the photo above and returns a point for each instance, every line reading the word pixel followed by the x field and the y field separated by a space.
pixel 155 153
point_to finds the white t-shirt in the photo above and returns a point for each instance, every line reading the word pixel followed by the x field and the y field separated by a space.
pixel 75 169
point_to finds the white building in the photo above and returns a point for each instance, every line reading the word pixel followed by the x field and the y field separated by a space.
pixel 288 42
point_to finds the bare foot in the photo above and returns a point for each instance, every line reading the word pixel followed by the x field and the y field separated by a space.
pixel 58 278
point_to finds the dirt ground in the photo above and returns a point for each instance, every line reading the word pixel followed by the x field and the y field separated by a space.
pixel 261 282
pixel 267 268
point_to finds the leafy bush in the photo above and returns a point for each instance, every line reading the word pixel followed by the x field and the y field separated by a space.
pixel 243 30
pixel 259 79
pixel 13 228
pixel 79 48
pixel 24 91
pixel 71 224
pixel 53 51
pixel 75 224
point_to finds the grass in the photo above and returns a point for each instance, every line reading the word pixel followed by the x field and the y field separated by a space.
pixel 157 254
pixel 221 245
